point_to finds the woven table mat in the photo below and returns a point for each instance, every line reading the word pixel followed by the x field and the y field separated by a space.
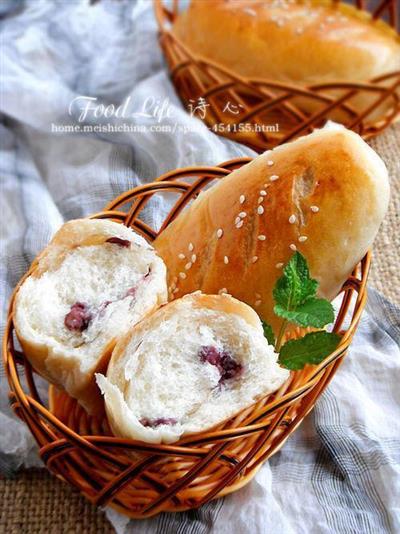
pixel 385 270
pixel 35 502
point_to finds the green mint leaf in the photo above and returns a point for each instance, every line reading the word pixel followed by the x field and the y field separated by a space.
pixel 310 349
pixel 295 286
pixel 314 312
pixel 268 333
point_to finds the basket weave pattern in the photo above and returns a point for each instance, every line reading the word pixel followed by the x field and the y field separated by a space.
pixel 140 479
pixel 365 107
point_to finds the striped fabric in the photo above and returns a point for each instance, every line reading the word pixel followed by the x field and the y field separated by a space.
pixel 340 471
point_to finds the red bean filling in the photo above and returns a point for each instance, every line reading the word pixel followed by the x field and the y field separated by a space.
pixel 78 318
pixel 152 423
pixel 103 306
pixel 118 241
pixel 226 365
pixel 131 292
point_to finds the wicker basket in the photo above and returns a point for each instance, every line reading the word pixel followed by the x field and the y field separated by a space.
pixel 263 104
pixel 140 479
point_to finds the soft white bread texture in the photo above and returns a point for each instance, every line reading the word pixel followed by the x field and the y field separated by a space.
pixel 188 367
pixel 290 41
pixel 324 195
pixel 94 280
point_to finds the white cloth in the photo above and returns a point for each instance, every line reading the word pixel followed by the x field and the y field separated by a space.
pixel 340 471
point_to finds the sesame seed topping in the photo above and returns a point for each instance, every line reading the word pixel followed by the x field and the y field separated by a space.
pixel 175 290
pixel 188 265
pixel 274 177
pixel 293 246
pixel 260 210
pixel 270 163
pixel 220 233
pixel 260 200
pixel 292 219
pixel 239 224
pixel 242 198
pixel 182 275
pixel 303 238
pixel 223 290
pixel 261 237
pixel 279 265
pixel 254 259
pixel 181 256
pixel 250 11
pixel 257 295
pixel 175 279
pixel 299 31
pixel 226 260
pixel 314 209
pixel 257 303
pixel 242 214
pixel 263 193
pixel 190 247
pixel 194 258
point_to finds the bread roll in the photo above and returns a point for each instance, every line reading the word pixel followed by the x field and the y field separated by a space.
pixel 324 195
pixel 290 41
pixel 294 42
pixel 94 280
pixel 188 367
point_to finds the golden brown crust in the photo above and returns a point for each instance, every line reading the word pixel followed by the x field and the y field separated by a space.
pixel 290 41
pixel 226 304
pixel 73 234
pixel 328 202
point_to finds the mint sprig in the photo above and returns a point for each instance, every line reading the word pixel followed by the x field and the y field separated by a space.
pixel 312 349
pixel 295 286
pixel 314 312
pixel 296 302
pixel 268 333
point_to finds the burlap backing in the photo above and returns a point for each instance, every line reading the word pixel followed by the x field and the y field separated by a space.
pixel 385 271
pixel 37 503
